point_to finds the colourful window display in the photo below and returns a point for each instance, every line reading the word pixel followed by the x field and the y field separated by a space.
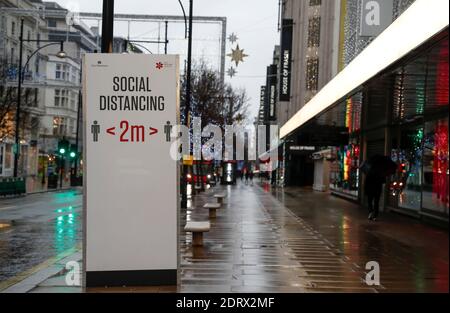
pixel 345 172
pixel 435 169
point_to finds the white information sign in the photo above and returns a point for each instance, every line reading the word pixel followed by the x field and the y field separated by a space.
pixel 130 104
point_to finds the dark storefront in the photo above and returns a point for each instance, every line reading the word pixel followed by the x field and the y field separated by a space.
pixel 403 113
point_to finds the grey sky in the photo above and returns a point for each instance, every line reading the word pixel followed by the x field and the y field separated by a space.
pixel 254 22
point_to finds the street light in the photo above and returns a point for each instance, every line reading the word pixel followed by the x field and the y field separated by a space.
pixel 188 96
pixel 60 54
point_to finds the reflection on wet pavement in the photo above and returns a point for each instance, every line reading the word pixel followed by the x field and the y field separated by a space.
pixel 300 241
pixel 263 240
pixel 45 225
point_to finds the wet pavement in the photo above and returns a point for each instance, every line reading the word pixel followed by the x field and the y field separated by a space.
pixel 291 240
pixel 413 257
pixel 297 240
pixel 41 226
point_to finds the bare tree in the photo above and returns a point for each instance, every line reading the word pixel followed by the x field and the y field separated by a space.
pixel 214 101
pixel 8 105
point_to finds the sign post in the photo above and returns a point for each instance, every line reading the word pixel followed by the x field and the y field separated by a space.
pixel 130 180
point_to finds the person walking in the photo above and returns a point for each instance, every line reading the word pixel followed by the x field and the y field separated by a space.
pixel 376 170
pixel 247 175
pixel 251 174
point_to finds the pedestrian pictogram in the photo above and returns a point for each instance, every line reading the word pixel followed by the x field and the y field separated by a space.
pixel 95 130
pixel 167 130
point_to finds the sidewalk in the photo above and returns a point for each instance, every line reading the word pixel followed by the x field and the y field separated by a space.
pixel 297 240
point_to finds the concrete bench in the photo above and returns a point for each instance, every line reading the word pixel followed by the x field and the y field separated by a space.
pixel 220 197
pixel 212 207
pixel 197 229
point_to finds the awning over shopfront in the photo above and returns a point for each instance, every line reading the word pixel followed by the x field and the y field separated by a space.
pixel 423 20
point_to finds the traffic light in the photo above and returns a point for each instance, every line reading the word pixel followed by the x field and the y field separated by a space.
pixel 63 146
pixel 73 151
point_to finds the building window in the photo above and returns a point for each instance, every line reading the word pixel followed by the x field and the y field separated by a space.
pixel 13 52
pixel 313 3
pixel 8 156
pixel 13 28
pixel 57 98
pixel 73 100
pixel 71 127
pixel 58 71
pixel 312 74
pixel 314 32
pixel 51 23
pixel 62 72
pixel 74 74
pixel 59 126
pixel 36 94
pixel 61 97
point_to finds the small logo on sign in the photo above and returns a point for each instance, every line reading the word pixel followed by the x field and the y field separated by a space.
pixel 159 65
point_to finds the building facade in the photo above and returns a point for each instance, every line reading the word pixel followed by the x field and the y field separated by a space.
pixel 34 65
pixel 399 110
pixel 50 110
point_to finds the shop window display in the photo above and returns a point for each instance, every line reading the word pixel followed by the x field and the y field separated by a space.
pixel 407 182
pixel 345 170
pixel 435 168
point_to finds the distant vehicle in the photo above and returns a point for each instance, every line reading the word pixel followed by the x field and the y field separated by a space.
pixel 229 170
pixel 202 170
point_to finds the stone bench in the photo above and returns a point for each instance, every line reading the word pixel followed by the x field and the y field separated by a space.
pixel 197 229
pixel 212 207
pixel 220 197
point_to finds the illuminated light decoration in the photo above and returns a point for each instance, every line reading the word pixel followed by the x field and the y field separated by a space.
pixel 348 115
pixel 347 158
pixel 442 78
pixel 440 162
pixel 420 95
pixel 423 18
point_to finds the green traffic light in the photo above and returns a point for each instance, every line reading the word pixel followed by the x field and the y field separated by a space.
pixel 72 154
pixel 62 151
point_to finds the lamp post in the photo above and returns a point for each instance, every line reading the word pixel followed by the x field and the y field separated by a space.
pixel 108 26
pixel 188 100
pixel 61 54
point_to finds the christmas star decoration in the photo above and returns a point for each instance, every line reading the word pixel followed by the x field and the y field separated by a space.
pixel 237 55
pixel 233 38
pixel 231 72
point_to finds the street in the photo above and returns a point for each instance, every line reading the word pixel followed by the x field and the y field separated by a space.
pixel 297 240
pixel 263 240
pixel 42 226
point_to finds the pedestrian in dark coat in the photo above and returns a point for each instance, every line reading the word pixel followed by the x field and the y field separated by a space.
pixel 376 170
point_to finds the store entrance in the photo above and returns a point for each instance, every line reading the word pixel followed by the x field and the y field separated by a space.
pixel 302 171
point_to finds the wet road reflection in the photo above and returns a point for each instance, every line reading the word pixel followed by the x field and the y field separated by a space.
pixel 413 257
pixel 296 240
pixel 44 225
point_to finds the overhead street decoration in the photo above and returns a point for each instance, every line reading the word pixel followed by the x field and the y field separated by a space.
pixel 233 38
pixel 231 72
pixel 237 55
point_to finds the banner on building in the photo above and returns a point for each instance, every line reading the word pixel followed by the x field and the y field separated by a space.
pixel 286 60
pixel 271 91
pixel 262 104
